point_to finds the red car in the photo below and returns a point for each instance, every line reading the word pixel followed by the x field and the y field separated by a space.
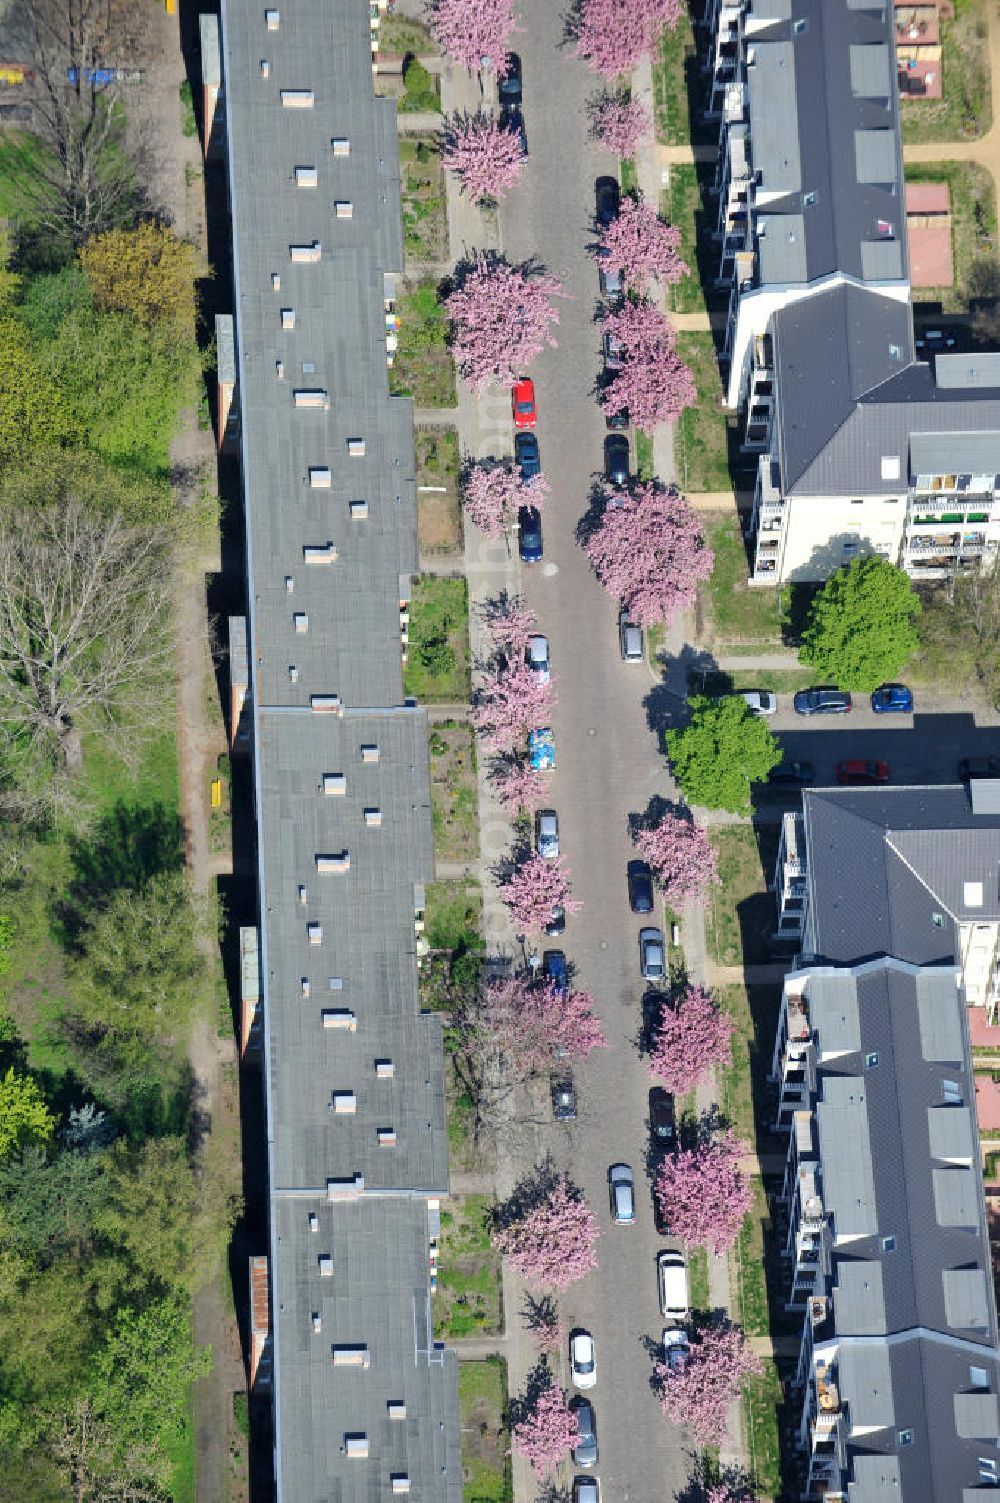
pixel 523 403
pixel 862 774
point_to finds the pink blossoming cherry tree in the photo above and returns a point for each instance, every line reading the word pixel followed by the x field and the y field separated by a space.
pixel 682 858
pixel 546 1428
pixel 501 317
pixel 553 1242
pixel 475 33
pixel 692 1036
pixel 649 552
pixel 532 889
pixel 642 247
pixel 620 123
pixel 612 35
pixel 484 155
pixel 697 1394
pixel 653 382
pixel 493 493
pixel 703 1194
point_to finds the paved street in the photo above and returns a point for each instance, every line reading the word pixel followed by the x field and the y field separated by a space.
pixel 608 766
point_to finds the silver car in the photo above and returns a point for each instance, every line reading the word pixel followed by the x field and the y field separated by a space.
pixel 547 833
pixel 760 701
pixel 630 639
pixel 651 955
pixel 537 656
pixel 621 1184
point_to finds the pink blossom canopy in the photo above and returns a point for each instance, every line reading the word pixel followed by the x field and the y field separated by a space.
pixel 554 1243
pixel 642 247
pixel 535 1023
pixel 516 783
pixel 612 35
pixel 703 1194
pixel 512 701
pixel 547 1431
pixel 485 156
pixel 620 123
pixel 534 888
pixel 473 30
pixel 501 317
pixel 698 1393
pixel 692 1036
pixel 649 552
pixel 653 381
pixel 493 492
pixel 682 857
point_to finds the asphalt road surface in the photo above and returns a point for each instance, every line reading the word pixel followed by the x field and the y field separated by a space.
pixel 608 766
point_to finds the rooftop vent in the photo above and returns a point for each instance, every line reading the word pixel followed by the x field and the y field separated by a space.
pixel 356 448
pixel 326 704
pixel 315 933
pixel 325 1262
pixel 344 209
pixel 334 784
pixel 341 146
pixel 288 318
pixel 396 1409
pixel 972 894
pixel 359 511
pixel 356 1446
pixel 311 396
pixel 351 1356
pixel 345 1103
pixel 273 19
pixel 306 177
pixel 384 1069
pixel 319 553
pixel 333 861
pixel 369 753
pixel 301 623
pixel 306 253
pixel 890 466
pixel 340 1017
pixel 298 99
pixel 385 1137
pixel 373 818
pixel 320 477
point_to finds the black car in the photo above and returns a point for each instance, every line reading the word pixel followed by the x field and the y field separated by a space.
pixel 509 87
pixel 526 453
pixel 529 537
pixel 822 701
pixel 640 887
pixel 616 421
pixel 513 120
pixel 557 923
pixel 585 1450
pixel 791 774
pixel 616 457
pixel 652 1007
pixel 662 1116
pixel 607 195
pixel 979 767
pixel 563 1099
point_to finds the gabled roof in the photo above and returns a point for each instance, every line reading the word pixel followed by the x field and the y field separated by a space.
pixel 892 870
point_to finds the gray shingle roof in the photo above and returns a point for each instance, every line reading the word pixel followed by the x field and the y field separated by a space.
pixel 820 73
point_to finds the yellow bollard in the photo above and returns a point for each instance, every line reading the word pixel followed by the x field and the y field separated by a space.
pixel 216 793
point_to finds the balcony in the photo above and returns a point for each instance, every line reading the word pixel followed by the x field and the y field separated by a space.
pixel 797 1006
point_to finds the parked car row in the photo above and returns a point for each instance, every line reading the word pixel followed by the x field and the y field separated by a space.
pixel 890 699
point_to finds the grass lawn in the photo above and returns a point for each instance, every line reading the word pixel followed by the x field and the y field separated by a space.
pixel 740 914
pixel 761 1400
pixel 644 455
pixel 681 205
pixel 439 512
pixel 453 914
pixel 730 680
pixel 454 803
pixel 628 175
pixel 737 613
pixel 677 87
pixel 743 1085
pixel 973 232
pixel 425 225
pixel 398 35
pixel 183 1486
pixel 20 154
pixel 468 1300
pixel 702 434
pixel 698 1278
pixel 423 368
pixel 482 1407
pixel 748 1258
pixel 437 666
pixel 966 110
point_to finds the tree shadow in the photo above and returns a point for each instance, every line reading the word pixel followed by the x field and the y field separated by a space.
pixel 128 847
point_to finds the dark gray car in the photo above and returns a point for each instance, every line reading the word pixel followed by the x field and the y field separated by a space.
pixel 616 459
pixel 585 1450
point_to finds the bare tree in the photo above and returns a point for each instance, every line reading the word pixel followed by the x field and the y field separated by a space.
pixel 80 49
pixel 83 601
pixel 86 1450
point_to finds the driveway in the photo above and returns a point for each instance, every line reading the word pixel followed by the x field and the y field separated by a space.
pixel 608 767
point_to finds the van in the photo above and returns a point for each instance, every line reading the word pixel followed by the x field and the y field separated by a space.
pixel 671 1268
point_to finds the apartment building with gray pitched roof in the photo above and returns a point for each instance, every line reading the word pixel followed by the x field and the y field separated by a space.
pixel 861 447
pixel 881 1209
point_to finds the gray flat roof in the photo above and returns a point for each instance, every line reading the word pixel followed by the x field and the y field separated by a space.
pixel 353 1070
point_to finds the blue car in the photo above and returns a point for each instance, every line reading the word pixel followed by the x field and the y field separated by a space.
pixel 893 699
pixel 554 969
pixel 542 749
pixel 526 454
pixel 529 534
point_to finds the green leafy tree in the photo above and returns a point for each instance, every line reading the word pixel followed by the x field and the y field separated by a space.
pixel 68 475
pixel 151 1214
pixel 48 1204
pixel 720 752
pixel 34 412
pixel 146 271
pixel 861 626
pixel 139 977
pixel 24 1117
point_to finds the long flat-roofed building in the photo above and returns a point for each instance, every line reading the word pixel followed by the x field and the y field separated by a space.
pixel 364 1400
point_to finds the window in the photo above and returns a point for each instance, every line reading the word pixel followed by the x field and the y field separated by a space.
pixel 906 1437
pixel 800 26
pixel 808 199
pixel 937 919
pixel 871 1060
pixel 895 352
pixel 885 227
pixel 988 1470
pixel 978 1377
pixel 850 547
pixel 951 1093
pixel 889 1244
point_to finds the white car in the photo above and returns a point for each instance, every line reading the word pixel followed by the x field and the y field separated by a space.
pixel 537 656
pixel 760 701
pixel 675 1347
pixel 583 1359
pixel 671 1271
